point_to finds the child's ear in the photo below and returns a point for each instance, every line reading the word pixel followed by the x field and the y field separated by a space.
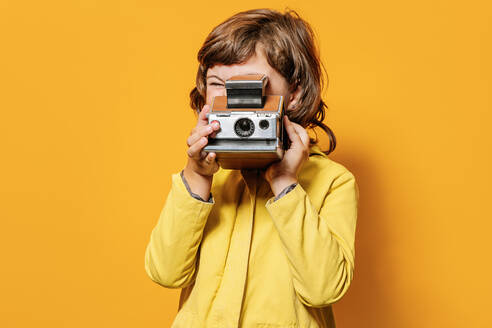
pixel 295 97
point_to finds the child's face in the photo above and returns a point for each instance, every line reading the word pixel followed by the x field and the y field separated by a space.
pixel 257 64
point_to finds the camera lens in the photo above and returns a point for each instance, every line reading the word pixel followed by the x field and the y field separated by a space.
pixel 264 124
pixel 244 127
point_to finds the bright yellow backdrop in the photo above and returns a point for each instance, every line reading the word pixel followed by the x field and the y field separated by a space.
pixel 94 118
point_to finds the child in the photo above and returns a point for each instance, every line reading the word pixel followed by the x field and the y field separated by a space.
pixel 258 248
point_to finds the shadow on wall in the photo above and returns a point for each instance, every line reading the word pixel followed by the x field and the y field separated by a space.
pixel 367 297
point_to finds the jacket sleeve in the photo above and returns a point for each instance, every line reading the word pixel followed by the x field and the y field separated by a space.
pixel 171 254
pixel 319 245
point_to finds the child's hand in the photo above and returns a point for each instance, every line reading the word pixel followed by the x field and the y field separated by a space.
pixel 201 165
pixel 284 173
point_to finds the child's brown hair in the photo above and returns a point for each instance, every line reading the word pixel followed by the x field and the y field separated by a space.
pixel 288 42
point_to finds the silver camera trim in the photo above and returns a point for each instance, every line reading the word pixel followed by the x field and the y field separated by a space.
pixel 228 121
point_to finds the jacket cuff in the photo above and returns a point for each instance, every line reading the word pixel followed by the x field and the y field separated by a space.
pixel 182 192
pixel 196 196
pixel 285 191
pixel 288 203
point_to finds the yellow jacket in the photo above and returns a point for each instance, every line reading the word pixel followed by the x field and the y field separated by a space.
pixel 245 260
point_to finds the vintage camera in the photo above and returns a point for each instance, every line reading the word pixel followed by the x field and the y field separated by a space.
pixel 251 131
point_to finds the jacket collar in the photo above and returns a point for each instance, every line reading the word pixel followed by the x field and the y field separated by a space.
pixel 315 150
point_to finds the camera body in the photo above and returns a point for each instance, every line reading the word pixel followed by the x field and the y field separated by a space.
pixel 251 131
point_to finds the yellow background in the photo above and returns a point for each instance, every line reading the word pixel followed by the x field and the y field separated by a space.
pixel 94 118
